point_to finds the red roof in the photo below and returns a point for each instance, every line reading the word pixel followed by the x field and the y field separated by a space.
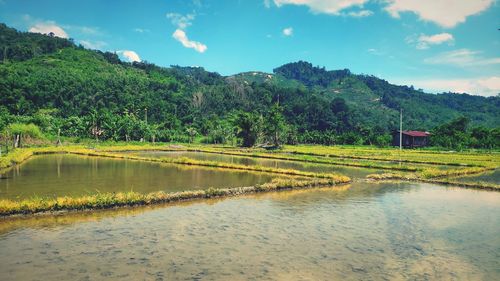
pixel 416 133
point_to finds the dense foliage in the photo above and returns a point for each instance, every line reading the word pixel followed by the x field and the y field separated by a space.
pixel 68 90
pixel 457 135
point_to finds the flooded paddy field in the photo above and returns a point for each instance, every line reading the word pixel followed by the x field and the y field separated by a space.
pixel 352 172
pixel 488 177
pixel 71 175
pixel 368 231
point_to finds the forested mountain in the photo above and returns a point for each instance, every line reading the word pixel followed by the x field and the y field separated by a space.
pixel 22 46
pixel 58 85
pixel 422 110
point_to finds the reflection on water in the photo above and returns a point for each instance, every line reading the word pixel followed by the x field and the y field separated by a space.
pixel 489 177
pixel 365 232
pixel 280 164
pixel 64 174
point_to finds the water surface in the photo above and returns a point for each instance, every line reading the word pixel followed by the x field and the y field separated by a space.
pixel 65 174
pixel 383 231
pixel 488 177
pixel 274 163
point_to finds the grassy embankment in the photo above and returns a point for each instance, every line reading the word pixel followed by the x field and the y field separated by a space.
pixel 417 165
pixel 20 155
pixel 463 163
pixel 422 164
pixel 476 158
pixel 259 153
pixel 426 164
pixel 411 165
pixel 110 200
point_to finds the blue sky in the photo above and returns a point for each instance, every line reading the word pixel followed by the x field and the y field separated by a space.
pixel 439 45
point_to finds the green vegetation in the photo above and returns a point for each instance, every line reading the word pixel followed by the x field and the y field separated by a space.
pixel 455 164
pixel 20 133
pixel 50 93
pixel 472 158
pixel 457 135
pixel 14 157
pixel 20 155
pixel 414 163
pixel 111 200
pixel 52 83
pixel 412 177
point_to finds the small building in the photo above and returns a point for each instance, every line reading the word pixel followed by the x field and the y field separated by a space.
pixel 411 139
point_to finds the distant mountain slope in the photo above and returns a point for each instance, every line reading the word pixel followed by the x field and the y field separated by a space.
pixel 18 46
pixel 377 98
pixel 44 72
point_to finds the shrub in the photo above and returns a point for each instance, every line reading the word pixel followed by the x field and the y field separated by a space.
pixel 26 130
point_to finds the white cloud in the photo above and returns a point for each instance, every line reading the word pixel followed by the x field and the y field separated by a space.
pixel 332 7
pixel 141 30
pixel 359 14
pixel 182 22
pixel 87 30
pixel 462 58
pixel 130 56
pixel 93 44
pixel 425 41
pixel 48 27
pixel 181 36
pixel 374 52
pixel 436 38
pixel 197 3
pixel 446 13
pixel 483 86
pixel 288 31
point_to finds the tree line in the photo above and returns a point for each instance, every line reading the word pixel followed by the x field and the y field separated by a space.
pixel 67 91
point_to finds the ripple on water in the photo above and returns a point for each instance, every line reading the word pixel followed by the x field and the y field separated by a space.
pixel 73 175
pixel 376 231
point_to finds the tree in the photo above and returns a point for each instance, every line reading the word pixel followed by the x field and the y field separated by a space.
pixel 275 128
pixel 248 128
pixel 192 133
pixel 452 134
pixel 21 132
pixel 482 137
pixel 41 72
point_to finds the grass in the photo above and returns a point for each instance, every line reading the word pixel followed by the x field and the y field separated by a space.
pixel 14 157
pixel 363 157
pixel 437 180
pixel 317 160
pixel 394 154
pixel 426 163
pixel 474 185
pixel 19 155
pixel 193 162
pixel 112 200
pixel 420 166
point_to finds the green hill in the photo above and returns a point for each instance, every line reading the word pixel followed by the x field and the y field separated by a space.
pixel 58 85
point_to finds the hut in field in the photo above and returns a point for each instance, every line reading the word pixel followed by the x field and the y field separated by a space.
pixel 411 139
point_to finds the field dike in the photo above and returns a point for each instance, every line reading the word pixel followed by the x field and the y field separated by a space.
pixel 275 156
pixel 429 174
pixel 123 199
pixel 112 200
pixel 463 165
pixel 438 178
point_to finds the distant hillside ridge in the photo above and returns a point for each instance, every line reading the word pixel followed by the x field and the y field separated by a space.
pixel 45 75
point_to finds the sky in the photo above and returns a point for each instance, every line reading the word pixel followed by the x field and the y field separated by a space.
pixel 435 45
